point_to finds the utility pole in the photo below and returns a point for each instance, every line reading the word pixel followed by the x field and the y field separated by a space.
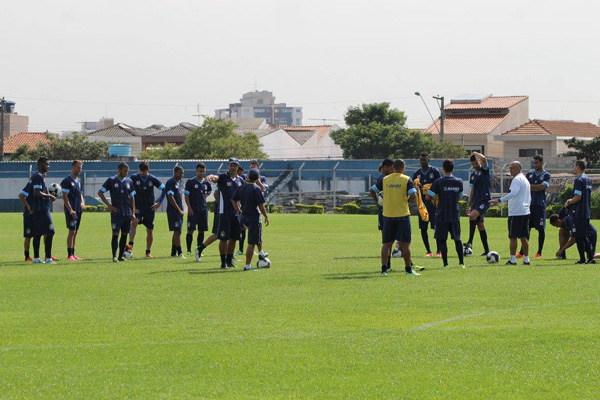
pixel 197 113
pixel 2 103
pixel 442 115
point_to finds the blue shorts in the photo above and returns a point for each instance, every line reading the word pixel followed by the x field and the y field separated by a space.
pixel 228 227
pixel 482 208
pixel 425 224
pixel 442 229
pixel 396 229
pixel 537 218
pixel 120 224
pixel 175 221
pixel 199 219
pixel 146 218
pixel 41 223
pixel 380 219
pixel 27 225
pixel 254 226
pixel 73 223
pixel 580 227
pixel 518 226
pixel 215 223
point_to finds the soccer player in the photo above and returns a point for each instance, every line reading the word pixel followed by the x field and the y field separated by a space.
pixel 144 184
pixel 41 218
pixel 228 226
pixel 175 210
pixel 264 188
pixel 427 175
pixel 479 197
pixel 566 236
pixel 385 168
pixel 73 206
pixel 448 189
pixel 252 201
pixel 27 218
pixel 121 207
pixel 398 190
pixel 579 210
pixel 539 180
pixel 196 191
pixel 519 199
pixel 242 227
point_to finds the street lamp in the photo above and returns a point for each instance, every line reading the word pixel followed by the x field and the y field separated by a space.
pixel 442 114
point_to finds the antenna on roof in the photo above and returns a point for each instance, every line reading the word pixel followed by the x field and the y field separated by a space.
pixel 197 113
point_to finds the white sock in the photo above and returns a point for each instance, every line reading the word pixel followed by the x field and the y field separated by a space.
pixel 248 266
pixel 513 258
pixel 261 253
pixel 526 259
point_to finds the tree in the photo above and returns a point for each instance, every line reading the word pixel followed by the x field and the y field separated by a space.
pixel 75 147
pixel 588 149
pixel 21 154
pixel 375 112
pixel 167 152
pixel 447 149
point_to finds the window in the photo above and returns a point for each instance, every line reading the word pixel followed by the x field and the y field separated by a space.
pixel 530 152
pixel 479 149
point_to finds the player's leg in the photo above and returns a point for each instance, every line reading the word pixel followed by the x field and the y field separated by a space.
pixel 242 239
pixel 388 233
pixel 133 230
pixel 77 225
pixel 512 241
pixel 563 239
pixel 189 238
pixel 253 231
pixel 149 241
pixel 403 235
pixel 234 234
pixel 580 229
pixel 473 219
pixel 483 236
pixel 424 237
pixel 70 244
pixel 48 239
pixel 125 230
pixel 26 246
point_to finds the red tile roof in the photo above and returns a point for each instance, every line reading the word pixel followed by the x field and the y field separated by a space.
pixel 12 143
pixel 499 102
pixel 463 125
pixel 556 128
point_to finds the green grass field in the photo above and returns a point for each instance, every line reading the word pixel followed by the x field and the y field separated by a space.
pixel 321 323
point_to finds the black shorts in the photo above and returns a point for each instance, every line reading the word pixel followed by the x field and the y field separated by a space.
pixel 580 227
pixel 537 218
pixel 199 219
pixel 146 218
pixel 228 227
pixel 254 226
pixel 442 229
pixel 42 223
pixel 396 229
pixel 482 208
pixel 120 224
pixel 380 219
pixel 175 221
pixel 27 225
pixel 424 224
pixel 518 226
pixel 215 224
pixel 73 223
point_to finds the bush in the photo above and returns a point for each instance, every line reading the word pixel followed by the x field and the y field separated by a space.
pixel 351 208
pixel 595 204
pixel 462 206
pixel 274 209
pixel 101 208
pixel 89 209
pixel 564 195
pixel 338 210
pixel 310 208
pixel 372 209
pixel 302 208
pixel 553 209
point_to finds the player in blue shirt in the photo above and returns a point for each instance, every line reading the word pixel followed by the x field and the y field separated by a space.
pixel 262 184
pixel 579 209
pixel 479 197
pixel 539 181
pixel 175 210
pixel 566 236
pixel 196 191
pixel 121 206
pixel 73 206
pixel 427 175
pixel 144 184
pixel 41 219
pixel 228 228
pixel 448 190
pixel 248 201
pixel 385 168
pixel 24 196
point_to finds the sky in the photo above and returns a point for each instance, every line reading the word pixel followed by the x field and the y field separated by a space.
pixel 166 61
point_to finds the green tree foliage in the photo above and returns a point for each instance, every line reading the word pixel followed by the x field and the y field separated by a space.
pixel 376 131
pixel 166 152
pixel 74 147
pixel 21 154
pixel 585 149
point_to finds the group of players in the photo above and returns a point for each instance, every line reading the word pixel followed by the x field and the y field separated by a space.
pixel 239 207
pixel 441 192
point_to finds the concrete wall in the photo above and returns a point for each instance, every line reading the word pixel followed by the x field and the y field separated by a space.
pixel 15 124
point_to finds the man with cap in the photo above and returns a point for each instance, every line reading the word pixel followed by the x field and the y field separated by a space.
pixel 228 229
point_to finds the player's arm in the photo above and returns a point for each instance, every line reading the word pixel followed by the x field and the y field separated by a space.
pixel 132 202
pixel 173 203
pixel 577 191
pixel 569 243
pixel 82 202
pixel 235 200
pixel 37 189
pixel 22 196
pixel 263 211
pixel 537 187
pixel 481 158
pixel 431 193
pixel 411 190
pixel 212 178
pixel 65 197
pixel 187 203
pixel 104 189
pixel 261 186
pixel 163 194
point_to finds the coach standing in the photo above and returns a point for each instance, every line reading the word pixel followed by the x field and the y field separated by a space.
pixel 579 209
pixel 519 199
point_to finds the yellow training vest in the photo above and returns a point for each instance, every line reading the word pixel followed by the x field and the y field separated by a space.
pixel 395 195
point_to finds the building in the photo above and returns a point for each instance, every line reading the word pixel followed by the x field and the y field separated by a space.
pixel 175 135
pixel 544 137
pixel 124 134
pixel 301 142
pixel 13 122
pixel 262 105
pixel 474 121
pixel 90 126
pixel 31 139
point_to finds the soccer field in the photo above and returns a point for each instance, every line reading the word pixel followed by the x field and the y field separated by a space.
pixel 321 323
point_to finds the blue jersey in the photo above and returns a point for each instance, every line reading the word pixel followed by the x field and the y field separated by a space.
pixel 121 192
pixel 250 196
pixel 72 187
pixel 173 189
pixel 28 193
pixel 582 188
pixel 448 189
pixel 481 183
pixel 197 191
pixel 227 187
pixel 538 198
pixel 378 187
pixel 144 191
pixel 39 203
pixel 426 177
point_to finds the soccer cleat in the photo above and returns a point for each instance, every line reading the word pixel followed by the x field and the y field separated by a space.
pixel 239 253
pixel 231 265
pixel 148 255
pixel 384 273
pixel 50 261
pixel 561 258
pixel 580 262
pixel 28 259
pixel 538 255
pixel 189 254
pixel 467 245
pixel 462 266
pixel 76 258
pixel 519 255
pixel 484 254
pixel 413 273
pixel 526 262
pixel 592 261
pixel 249 268
pixel 223 266
pixel 38 261
pixel 122 259
pixel 181 256
pixel 438 255
pixel 418 268
pixel 510 263
pixel 71 258
pixel 198 255
pixel 429 255
pixel 54 258
pixel 129 247
pixel 115 260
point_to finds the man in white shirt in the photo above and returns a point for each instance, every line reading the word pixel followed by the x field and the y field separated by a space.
pixel 519 199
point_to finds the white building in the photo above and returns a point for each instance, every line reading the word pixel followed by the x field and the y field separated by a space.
pixel 262 105
pixel 301 142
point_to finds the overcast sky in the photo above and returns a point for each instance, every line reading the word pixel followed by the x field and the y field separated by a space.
pixel 152 61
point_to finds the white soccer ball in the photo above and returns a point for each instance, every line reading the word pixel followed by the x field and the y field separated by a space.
pixel 128 254
pixel 493 257
pixel 54 189
pixel 467 252
pixel 396 253
pixel 263 263
pixel 380 198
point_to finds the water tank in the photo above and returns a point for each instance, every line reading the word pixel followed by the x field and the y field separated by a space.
pixel 119 150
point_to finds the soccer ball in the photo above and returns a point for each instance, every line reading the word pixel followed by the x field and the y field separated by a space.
pixel 128 254
pixel 467 252
pixel 54 189
pixel 263 263
pixel 396 253
pixel 493 257
pixel 380 198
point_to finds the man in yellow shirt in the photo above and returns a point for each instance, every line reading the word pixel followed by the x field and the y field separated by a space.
pixel 398 190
